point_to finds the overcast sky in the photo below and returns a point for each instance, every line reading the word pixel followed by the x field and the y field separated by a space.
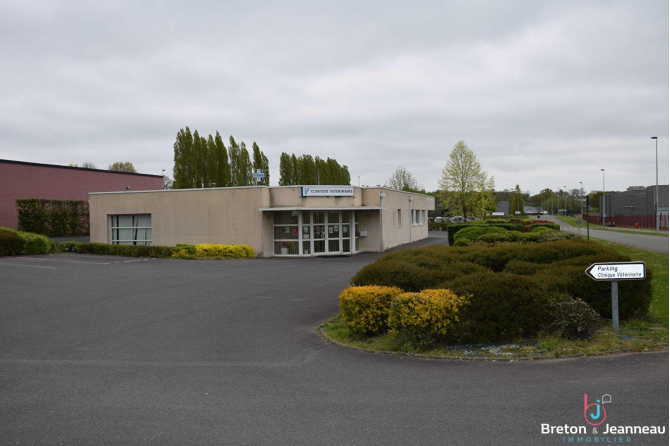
pixel 546 93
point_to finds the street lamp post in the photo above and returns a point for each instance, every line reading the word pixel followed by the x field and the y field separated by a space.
pixel 602 211
pixel 581 199
pixel 656 195
pixel 566 201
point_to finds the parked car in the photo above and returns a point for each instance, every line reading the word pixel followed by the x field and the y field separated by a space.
pixel 457 219
pixel 472 218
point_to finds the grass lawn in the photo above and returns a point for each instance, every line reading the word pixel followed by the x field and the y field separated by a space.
pixel 650 333
pixel 572 221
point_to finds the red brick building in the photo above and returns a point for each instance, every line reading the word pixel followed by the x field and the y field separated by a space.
pixel 20 179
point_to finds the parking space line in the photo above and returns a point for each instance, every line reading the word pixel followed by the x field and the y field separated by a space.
pixel 28 266
pixel 52 259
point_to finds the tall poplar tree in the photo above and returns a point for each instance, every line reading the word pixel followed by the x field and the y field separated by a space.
pixel 222 164
pixel 244 167
pixel 285 170
pixel 260 162
pixel 234 158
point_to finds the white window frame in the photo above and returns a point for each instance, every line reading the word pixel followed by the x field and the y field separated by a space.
pixel 133 241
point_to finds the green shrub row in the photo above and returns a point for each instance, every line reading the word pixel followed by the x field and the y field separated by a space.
pixel 453 229
pixel 539 235
pixel 122 250
pixel 14 243
pixel 53 218
pixel 511 283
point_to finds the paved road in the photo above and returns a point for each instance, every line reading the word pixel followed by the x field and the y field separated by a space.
pixel 648 242
pixel 111 351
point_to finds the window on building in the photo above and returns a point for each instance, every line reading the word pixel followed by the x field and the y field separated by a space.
pixel 130 229
pixel 399 218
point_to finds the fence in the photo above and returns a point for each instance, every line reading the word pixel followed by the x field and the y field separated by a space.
pixel 630 221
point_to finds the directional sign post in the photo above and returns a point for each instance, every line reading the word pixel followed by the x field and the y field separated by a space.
pixel 614 272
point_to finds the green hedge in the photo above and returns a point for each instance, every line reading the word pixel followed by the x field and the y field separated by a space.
pixel 409 276
pixel 124 250
pixel 473 232
pixel 553 226
pixel 14 243
pixel 37 244
pixel 503 307
pixel 453 229
pixel 11 243
pixel 517 290
pixel 53 218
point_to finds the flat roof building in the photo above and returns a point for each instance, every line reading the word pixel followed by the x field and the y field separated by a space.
pixel 275 221
pixel 20 179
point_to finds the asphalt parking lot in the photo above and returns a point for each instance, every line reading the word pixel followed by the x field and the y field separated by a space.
pixel 107 350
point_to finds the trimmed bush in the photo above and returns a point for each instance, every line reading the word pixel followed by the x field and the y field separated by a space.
pixel 124 250
pixel 453 229
pixel 68 246
pixel 540 229
pixel 36 244
pixel 411 277
pixel 502 307
pixel 365 309
pixel 554 236
pixel 553 226
pixel 424 318
pixel 634 295
pixel 11 243
pixel 473 232
pixel 523 268
pixel 227 251
pixel 572 318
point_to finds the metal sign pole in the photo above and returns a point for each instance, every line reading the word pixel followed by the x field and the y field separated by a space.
pixel 615 306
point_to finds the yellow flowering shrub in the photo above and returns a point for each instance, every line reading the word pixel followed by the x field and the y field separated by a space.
pixel 227 251
pixel 184 251
pixel 365 309
pixel 425 317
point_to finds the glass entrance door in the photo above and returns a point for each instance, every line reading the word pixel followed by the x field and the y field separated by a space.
pixel 319 225
pixel 334 224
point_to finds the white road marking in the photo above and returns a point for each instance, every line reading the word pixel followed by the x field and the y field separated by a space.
pixel 28 266
pixel 65 260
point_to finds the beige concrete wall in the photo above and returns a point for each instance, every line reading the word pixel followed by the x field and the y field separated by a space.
pixel 226 216
pixel 395 234
pixel 232 216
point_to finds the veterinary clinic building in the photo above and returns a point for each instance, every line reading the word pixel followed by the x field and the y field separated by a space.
pixel 276 221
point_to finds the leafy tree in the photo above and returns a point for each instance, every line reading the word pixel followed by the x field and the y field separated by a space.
pixel 307 170
pixel 245 167
pixel 121 166
pixel 87 165
pixel 285 170
pixel 222 174
pixel 183 154
pixel 464 184
pixel 260 161
pixel 402 179
pixel 234 157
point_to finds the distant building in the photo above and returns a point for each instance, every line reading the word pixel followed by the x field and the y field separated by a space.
pixel 502 209
pixel 534 210
pixel 637 200
pixel 20 179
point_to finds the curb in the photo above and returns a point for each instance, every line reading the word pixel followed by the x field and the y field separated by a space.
pixel 629 351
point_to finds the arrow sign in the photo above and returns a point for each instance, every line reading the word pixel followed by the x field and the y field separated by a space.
pixel 617 271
